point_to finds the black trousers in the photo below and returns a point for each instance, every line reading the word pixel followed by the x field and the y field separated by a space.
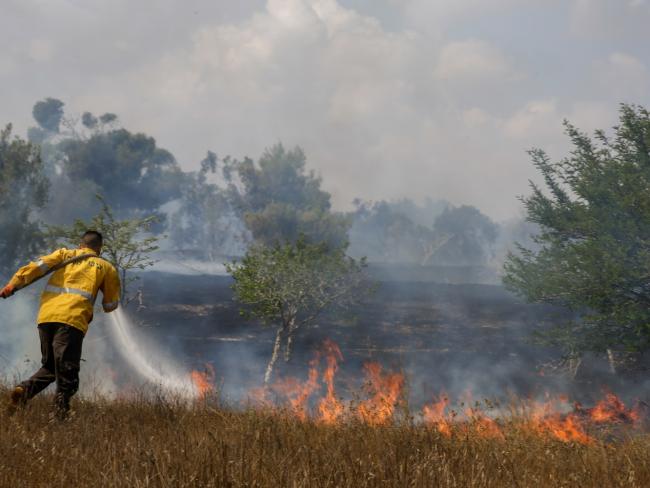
pixel 60 362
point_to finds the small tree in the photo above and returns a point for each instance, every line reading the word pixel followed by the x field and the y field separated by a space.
pixel 289 286
pixel 124 243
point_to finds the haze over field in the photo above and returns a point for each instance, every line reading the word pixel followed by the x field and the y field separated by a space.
pixel 388 98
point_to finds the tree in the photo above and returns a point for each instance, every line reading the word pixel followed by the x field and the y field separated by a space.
pixel 48 114
pixel 23 191
pixel 126 244
pixel 383 232
pixel 205 220
pixel 280 201
pixel 133 174
pixel 594 238
pixel 464 235
pixel 289 286
pixel 92 154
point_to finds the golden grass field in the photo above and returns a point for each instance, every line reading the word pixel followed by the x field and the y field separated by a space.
pixel 143 441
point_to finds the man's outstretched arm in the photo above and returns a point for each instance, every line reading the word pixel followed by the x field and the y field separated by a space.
pixel 34 270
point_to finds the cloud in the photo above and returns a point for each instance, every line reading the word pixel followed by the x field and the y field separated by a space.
pixel 533 117
pixel 610 19
pixel 441 101
pixel 40 50
pixel 624 76
pixel 473 60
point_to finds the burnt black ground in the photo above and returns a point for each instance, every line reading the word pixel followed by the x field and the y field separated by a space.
pixel 451 338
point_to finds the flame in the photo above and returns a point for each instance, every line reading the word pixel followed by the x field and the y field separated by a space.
pixel 385 390
pixel 435 415
pixel 484 426
pixel 612 409
pixel 567 429
pixel 203 381
pixel 330 408
pixel 553 418
pixel 298 392
pixel 547 419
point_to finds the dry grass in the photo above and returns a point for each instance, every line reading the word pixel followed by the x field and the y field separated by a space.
pixel 142 442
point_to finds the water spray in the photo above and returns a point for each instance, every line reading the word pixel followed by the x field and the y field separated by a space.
pixel 169 376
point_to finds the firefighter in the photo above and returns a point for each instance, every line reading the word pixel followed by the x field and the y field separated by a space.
pixel 66 309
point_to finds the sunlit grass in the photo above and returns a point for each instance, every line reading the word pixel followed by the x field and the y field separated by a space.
pixel 146 441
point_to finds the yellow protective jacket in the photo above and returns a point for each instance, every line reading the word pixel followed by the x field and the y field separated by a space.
pixel 70 293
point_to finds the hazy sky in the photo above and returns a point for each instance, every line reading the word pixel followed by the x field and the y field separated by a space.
pixel 389 98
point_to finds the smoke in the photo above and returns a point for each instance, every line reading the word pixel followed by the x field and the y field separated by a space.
pixel 151 363
pixel 20 352
pixel 19 345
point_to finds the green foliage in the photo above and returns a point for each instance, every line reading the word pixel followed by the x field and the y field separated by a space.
pixel 23 191
pixel 125 242
pixel 382 231
pixel 468 235
pixel 94 155
pixel 280 201
pixel 129 169
pixel 289 286
pixel 48 114
pixel 400 232
pixel 205 220
pixel 89 120
pixel 594 237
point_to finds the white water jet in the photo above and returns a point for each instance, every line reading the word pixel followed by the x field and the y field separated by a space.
pixel 167 375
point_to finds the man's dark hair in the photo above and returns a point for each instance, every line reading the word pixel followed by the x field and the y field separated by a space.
pixel 92 239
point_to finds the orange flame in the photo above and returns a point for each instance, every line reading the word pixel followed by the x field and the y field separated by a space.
pixel 385 390
pixel 436 416
pixel 330 408
pixel 546 420
pixel 203 381
pixel 554 418
pixel 297 392
pixel 483 425
pixel 567 429
pixel 612 409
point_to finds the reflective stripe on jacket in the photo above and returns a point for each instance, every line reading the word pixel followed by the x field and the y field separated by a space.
pixel 70 293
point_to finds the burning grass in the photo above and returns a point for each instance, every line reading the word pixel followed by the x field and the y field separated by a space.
pixel 141 442
pixel 301 432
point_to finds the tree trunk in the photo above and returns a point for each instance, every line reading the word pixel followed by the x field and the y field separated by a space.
pixel 289 342
pixel 274 356
pixel 574 366
pixel 611 360
pixel 123 289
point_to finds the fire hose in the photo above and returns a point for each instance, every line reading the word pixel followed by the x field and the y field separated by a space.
pixel 57 267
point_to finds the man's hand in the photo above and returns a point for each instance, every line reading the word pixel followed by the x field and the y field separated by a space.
pixel 7 291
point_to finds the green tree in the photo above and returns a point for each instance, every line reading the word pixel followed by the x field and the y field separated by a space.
pixel 92 154
pixel 132 173
pixel 382 231
pixel 289 286
pixel 205 221
pixel 23 191
pixel 465 236
pixel 126 242
pixel 48 114
pixel 594 237
pixel 280 201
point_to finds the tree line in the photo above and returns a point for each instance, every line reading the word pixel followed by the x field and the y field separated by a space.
pixel 590 222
